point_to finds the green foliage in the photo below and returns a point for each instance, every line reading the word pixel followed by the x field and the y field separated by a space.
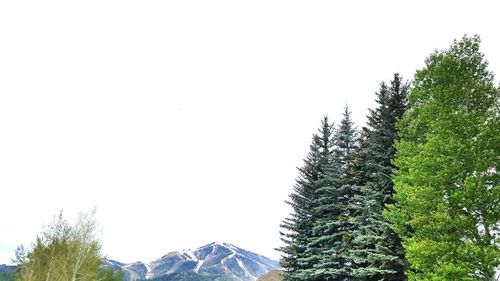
pixel 375 251
pixel 346 143
pixel 64 252
pixel 110 275
pixel 315 234
pixel 447 186
pixel 7 272
pixel 331 228
pixel 6 276
pixel 354 220
pixel 302 235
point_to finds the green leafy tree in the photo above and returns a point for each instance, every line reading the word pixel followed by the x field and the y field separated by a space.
pixel 376 252
pixel 447 186
pixel 64 252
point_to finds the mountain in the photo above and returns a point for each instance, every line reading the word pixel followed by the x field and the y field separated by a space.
pixel 215 261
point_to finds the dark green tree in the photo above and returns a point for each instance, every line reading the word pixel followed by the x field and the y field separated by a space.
pixel 331 227
pixel 347 148
pixel 301 250
pixel 346 138
pixel 326 243
pixel 447 188
pixel 376 252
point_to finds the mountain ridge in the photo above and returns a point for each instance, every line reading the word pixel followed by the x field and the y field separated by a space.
pixel 214 261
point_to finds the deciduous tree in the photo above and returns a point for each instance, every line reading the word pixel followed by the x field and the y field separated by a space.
pixel 65 252
pixel 447 186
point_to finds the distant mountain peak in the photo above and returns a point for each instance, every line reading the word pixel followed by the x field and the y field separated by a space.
pixel 215 259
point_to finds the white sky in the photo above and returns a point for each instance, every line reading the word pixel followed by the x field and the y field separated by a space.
pixel 184 121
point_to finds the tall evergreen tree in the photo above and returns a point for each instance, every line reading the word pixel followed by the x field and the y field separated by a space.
pixel 327 243
pixel 322 254
pixel 300 252
pixel 376 252
pixel 447 186
pixel 346 144
pixel 332 227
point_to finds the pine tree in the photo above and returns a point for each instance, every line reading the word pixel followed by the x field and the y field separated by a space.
pixel 346 147
pixel 346 144
pixel 447 187
pixel 300 252
pixel 376 252
pixel 331 230
pixel 326 244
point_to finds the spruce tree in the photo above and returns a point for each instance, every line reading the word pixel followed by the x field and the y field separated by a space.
pixel 376 252
pixel 327 245
pixel 300 253
pixel 346 144
pixel 346 147
pixel 447 187
pixel 331 232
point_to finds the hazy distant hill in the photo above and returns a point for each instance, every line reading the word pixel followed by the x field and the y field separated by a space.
pixel 6 272
pixel 213 262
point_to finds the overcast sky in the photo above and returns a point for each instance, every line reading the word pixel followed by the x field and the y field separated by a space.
pixel 184 121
